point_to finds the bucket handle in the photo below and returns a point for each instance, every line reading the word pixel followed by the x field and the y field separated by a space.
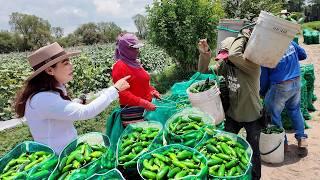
pixel 272 149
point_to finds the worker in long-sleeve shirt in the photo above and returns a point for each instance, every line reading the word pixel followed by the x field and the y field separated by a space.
pixel 281 88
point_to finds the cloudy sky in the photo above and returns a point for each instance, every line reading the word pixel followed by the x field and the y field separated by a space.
pixel 69 14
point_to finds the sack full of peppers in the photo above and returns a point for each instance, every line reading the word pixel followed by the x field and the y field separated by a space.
pixel 229 156
pixel 24 158
pixel 173 162
pixel 85 156
pixel 137 139
pixel 188 127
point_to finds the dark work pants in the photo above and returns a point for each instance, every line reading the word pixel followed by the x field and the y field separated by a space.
pixel 253 130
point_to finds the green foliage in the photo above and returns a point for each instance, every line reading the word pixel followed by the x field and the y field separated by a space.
pixel 109 31
pixel 92 71
pixel 88 33
pixel 170 75
pixel 35 31
pixel 141 24
pixel 6 42
pixel 250 8
pixel 315 25
pixel 178 25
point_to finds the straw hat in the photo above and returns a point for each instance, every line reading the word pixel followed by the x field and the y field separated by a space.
pixel 47 56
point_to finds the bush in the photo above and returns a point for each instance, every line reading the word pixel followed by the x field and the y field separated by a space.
pixel 315 25
pixel 172 74
pixel 178 25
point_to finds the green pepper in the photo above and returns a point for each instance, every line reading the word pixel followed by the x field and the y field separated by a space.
pixel 129 164
pixel 72 156
pixel 244 160
pixel 63 176
pixel 29 166
pixel 40 153
pixel 223 156
pixel 160 157
pixel 67 168
pixel 126 150
pixel 126 143
pixel 96 154
pixel 147 165
pixel 232 171
pixel 190 143
pixel 239 170
pixel 138 129
pixel 62 163
pixel 196 159
pixel 212 141
pixel 76 164
pixel 184 155
pixel 212 169
pixel 162 172
pixel 214 161
pixel 148 174
pixel 231 164
pixel 195 117
pixel 212 149
pixel 39 175
pixel 126 158
pixel 224 138
pixel 173 172
pixel 221 170
pixel 180 174
pixel 179 164
pixel 50 164
pixel 190 165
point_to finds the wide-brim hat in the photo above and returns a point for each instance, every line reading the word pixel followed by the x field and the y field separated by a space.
pixel 47 56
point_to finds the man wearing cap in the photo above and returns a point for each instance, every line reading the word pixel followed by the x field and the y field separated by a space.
pixel 138 97
pixel 281 88
pixel 242 77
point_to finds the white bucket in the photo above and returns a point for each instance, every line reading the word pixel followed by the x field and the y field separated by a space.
pixel 272 147
pixel 228 28
pixel 208 101
pixel 270 39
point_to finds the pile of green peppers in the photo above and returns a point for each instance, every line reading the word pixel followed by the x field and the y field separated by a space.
pixel 203 87
pixel 272 130
pixel 72 166
pixel 134 144
pixel 189 129
pixel 16 168
pixel 226 157
pixel 43 171
pixel 172 164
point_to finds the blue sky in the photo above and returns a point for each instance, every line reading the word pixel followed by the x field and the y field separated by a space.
pixel 69 14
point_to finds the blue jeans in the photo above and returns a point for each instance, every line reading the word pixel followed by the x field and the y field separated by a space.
pixel 286 95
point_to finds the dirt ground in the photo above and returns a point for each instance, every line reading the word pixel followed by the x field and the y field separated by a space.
pixel 307 167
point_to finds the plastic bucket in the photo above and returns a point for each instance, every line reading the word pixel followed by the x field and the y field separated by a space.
pixel 270 39
pixel 228 28
pixel 272 147
pixel 208 101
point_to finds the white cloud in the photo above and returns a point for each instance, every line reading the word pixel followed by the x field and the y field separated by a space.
pixel 108 7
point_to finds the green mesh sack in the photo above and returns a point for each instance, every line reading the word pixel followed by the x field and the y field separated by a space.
pixel 308 74
pixel 113 174
pixel 91 150
pixel 194 157
pixel 136 144
pixel 308 38
pixel 230 140
pixel 315 37
pixel 25 164
pixel 166 107
pixel 188 127
pixel 287 123
pixel 304 98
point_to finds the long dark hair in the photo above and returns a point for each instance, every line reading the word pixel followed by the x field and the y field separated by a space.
pixel 41 82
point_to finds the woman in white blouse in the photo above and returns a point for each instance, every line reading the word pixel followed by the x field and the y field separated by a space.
pixel 44 102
